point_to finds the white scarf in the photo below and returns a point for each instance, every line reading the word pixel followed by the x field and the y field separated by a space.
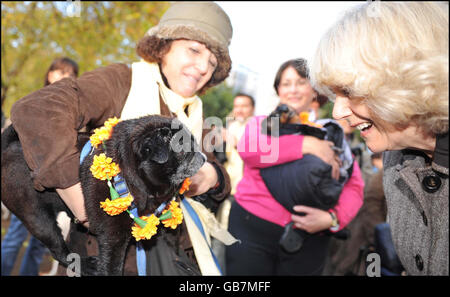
pixel 211 227
pixel 143 98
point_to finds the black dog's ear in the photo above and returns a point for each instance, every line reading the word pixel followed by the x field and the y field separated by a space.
pixel 335 133
pixel 164 131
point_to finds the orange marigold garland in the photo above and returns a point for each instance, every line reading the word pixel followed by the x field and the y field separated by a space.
pixel 116 206
pixel 185 186
pixel 104 168
pixel 100 134
pixel 145 227
pixel 103 133
pixel 111 122
pixel 148 230
pixel 176 217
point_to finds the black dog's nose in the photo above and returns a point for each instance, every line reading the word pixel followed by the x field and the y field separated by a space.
pixel 203 157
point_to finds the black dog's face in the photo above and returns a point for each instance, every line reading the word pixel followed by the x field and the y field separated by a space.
pixel 168 156
pixel 283 114
pixel 162 153
pixel 286 114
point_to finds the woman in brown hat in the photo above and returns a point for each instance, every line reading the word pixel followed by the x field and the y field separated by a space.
pixel 185 54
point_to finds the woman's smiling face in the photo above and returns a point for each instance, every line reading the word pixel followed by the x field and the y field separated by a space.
pixel 188 66
pixel 378 134
pixel 295 90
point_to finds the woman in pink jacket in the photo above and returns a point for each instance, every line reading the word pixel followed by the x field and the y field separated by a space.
pixel 258 220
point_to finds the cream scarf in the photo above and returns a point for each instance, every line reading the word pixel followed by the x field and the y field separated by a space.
pixel 143 99
pixel 211 227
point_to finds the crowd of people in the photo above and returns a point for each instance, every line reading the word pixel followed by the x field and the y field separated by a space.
pixel 384 65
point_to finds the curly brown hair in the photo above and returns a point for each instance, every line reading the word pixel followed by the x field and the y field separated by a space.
pixel 152 49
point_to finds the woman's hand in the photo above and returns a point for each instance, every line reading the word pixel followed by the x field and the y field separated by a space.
pixel 313 221
pixel 73 198
pixel 323 150
pixel 203 180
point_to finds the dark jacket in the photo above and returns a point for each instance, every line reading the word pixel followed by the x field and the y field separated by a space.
pixel 416 190
pixel 346 256
pixel 308 181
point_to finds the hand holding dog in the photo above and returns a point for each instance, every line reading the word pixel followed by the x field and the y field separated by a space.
pixel 73 198
pixel 205 178
pixel 313 221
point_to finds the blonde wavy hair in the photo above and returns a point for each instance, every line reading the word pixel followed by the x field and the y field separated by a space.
pixel 394 56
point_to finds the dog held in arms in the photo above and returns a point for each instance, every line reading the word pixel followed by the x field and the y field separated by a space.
pixel 153 170
pixel 306 181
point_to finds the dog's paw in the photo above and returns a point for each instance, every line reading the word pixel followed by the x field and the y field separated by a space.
pixel 89 266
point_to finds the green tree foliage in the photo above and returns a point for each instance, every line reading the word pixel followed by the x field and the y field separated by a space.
pixel 94 34
pixel 218 102
pixel 326 111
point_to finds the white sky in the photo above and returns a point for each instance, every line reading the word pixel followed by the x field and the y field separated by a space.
pixel 266 34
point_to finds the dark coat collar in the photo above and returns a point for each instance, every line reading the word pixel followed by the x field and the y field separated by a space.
pixel 440 155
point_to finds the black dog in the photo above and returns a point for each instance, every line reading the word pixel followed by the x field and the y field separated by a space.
pixel 154 158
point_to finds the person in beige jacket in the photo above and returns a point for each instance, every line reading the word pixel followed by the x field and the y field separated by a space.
pixel 243 109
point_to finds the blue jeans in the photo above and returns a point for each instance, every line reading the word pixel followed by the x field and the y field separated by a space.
pixel 11 244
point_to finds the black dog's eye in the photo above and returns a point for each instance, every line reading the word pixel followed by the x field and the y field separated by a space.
pixel 146 151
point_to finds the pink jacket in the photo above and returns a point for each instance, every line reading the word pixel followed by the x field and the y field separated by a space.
pixel 259 151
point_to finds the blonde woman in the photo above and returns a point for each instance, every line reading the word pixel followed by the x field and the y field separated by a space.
pixel 386 65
